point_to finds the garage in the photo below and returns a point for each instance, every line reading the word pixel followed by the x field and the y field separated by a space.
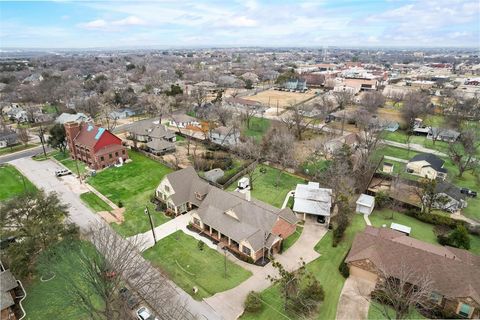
pixel 363 274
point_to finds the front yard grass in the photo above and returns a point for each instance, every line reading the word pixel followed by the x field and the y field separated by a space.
pixel 133 184
pixel 179 256
pixel 94 202
pixel 375 314
pixel 64 158
pixel 46 300
pixel 325 269
pixel 13 183
pixel 265 187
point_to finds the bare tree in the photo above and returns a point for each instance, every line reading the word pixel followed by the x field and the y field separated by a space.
pixel 280 147
pixel 251 150
pixel 402 288
pixel 414 106
pixel 343 98
pixel 105 269
pixel 397 97
pixel 199 96
pixel 372 101
pixel 428 195
pixel 224 115
pixel 247 114
pixel 463 151
pixel 297 122
pixel 22 134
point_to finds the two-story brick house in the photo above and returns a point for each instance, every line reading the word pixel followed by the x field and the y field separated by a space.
pixel 95 146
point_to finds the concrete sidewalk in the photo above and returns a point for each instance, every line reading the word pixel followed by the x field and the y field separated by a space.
pixel 414 147
pixel 354 300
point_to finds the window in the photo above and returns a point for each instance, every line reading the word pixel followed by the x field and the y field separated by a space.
pixel 102 158
pixel 123 151
pixel 110 156
pixel 166 188
pixel 246 250
pixel 464 310
pixel 116 154
pixel 436 297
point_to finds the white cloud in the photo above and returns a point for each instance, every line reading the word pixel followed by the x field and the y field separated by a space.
pixel 95 24
pixel 241 22
pixel 129 21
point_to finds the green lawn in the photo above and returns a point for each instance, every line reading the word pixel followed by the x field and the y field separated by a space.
pixel 325 269
pixel 314 167
pixel 16 148
pixel 47 300
pixel 48 108
pixel 94 202
pixel 420 230
pixel 133 184
pixel 396 152
pixel 12 182
pixel 64 158
pixel 258 128
pixel 375 314
pixel 188 266
pixel 265 188
pixel 287 243
pixel 179 138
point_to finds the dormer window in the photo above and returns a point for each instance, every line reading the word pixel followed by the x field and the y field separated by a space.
pixel 232 214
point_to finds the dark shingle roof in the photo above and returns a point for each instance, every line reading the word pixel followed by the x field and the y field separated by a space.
pixel 435 162
pixel 450 190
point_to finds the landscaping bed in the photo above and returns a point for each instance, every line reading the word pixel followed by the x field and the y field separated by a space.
pixel 179 256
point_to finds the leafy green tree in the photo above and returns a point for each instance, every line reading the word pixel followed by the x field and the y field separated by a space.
pixel 57 138
pixel 174 90
pixel 36 220
pixel 248 84
pixel 252 303
pixel 459 238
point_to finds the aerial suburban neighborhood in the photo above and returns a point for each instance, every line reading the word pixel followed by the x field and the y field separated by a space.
pixel 163 160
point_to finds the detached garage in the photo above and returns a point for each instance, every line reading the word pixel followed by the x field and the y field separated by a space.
pixel 365 204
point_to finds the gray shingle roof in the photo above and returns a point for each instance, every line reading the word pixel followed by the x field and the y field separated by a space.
pixel 186 182
pixel 435 162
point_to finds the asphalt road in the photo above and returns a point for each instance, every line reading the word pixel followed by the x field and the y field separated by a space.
pixel 23 154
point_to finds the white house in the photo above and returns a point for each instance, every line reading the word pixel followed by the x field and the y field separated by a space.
pixel 183 121
pixel 312 200
pixel 365 204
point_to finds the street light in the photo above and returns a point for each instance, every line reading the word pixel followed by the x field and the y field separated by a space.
pixel 147 212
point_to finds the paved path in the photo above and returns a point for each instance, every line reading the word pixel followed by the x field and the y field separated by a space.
pixel 289 194
pixel 162 231
pixel 101 196
pixel 354 300
pixel 41 173
pixel 413 147
pixel 230 303
pixel 459 216
pixel 395 159
pixel 367 220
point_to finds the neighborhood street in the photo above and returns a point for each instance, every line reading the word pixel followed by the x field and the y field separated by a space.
pixel 23 154
pixel 41 173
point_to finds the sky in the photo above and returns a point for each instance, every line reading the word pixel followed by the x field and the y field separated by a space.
pixel 236 23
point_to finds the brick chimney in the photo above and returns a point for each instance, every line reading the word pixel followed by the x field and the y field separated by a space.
pixel 71 131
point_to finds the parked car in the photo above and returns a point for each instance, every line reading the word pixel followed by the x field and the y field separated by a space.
pixel 62 172
pixel 144 314
pixel 321 219
pixel 129 297
pixel 468 192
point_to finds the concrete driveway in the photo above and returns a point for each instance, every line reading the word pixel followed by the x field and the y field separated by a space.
pixel 229 304
pixel 354 300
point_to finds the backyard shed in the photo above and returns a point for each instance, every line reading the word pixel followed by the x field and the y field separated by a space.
pixel 365 204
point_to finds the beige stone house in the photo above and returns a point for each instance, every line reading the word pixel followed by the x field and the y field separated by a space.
pixel 246 226
pixel 427 165
pixel 455 273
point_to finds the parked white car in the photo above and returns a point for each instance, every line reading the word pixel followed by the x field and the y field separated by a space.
pixel 62 172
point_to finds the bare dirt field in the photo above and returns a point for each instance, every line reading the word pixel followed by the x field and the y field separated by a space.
pixel 282 97
pixel 181 153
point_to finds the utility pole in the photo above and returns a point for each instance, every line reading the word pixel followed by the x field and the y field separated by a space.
pixel 42 140
pixel 147 212
pixel 78 170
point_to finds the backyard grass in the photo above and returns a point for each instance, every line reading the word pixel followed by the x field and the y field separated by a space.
pixel 16 148
pixel 133 184
pixel 290 241
pixel 94 202
pixel 12 182
pixel 271 185
pixel 258 128
pixel 325 269
pixel 375 314
pixel 47 300
pixel 179 138
pixel 179 256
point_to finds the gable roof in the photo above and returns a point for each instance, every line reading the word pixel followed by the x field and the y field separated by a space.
pixel 454 272
pixel 90 134
pixel 434 161
pixel 240 219
pixel 186 183
pixel 68 117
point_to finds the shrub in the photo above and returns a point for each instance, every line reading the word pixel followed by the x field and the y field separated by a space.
pixel 200 245
pixel 435 219
pixel 120 204
pixel 459 238
pixel 382 199
pixel 252 304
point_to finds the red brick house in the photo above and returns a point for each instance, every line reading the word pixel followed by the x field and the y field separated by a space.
pixel 95 146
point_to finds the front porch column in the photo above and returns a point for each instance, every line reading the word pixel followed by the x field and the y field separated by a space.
pixel 210 230
pixel 219 235
pixel 304 217
pixel 229 241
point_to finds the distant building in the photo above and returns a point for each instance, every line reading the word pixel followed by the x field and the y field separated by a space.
pixel 225 136
pixel 427 165
pixel 121 114
pixel 8 137
pixel 295 85
pixel 183 121
pixel 69 117
pixel 95 146
pixel 365 204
